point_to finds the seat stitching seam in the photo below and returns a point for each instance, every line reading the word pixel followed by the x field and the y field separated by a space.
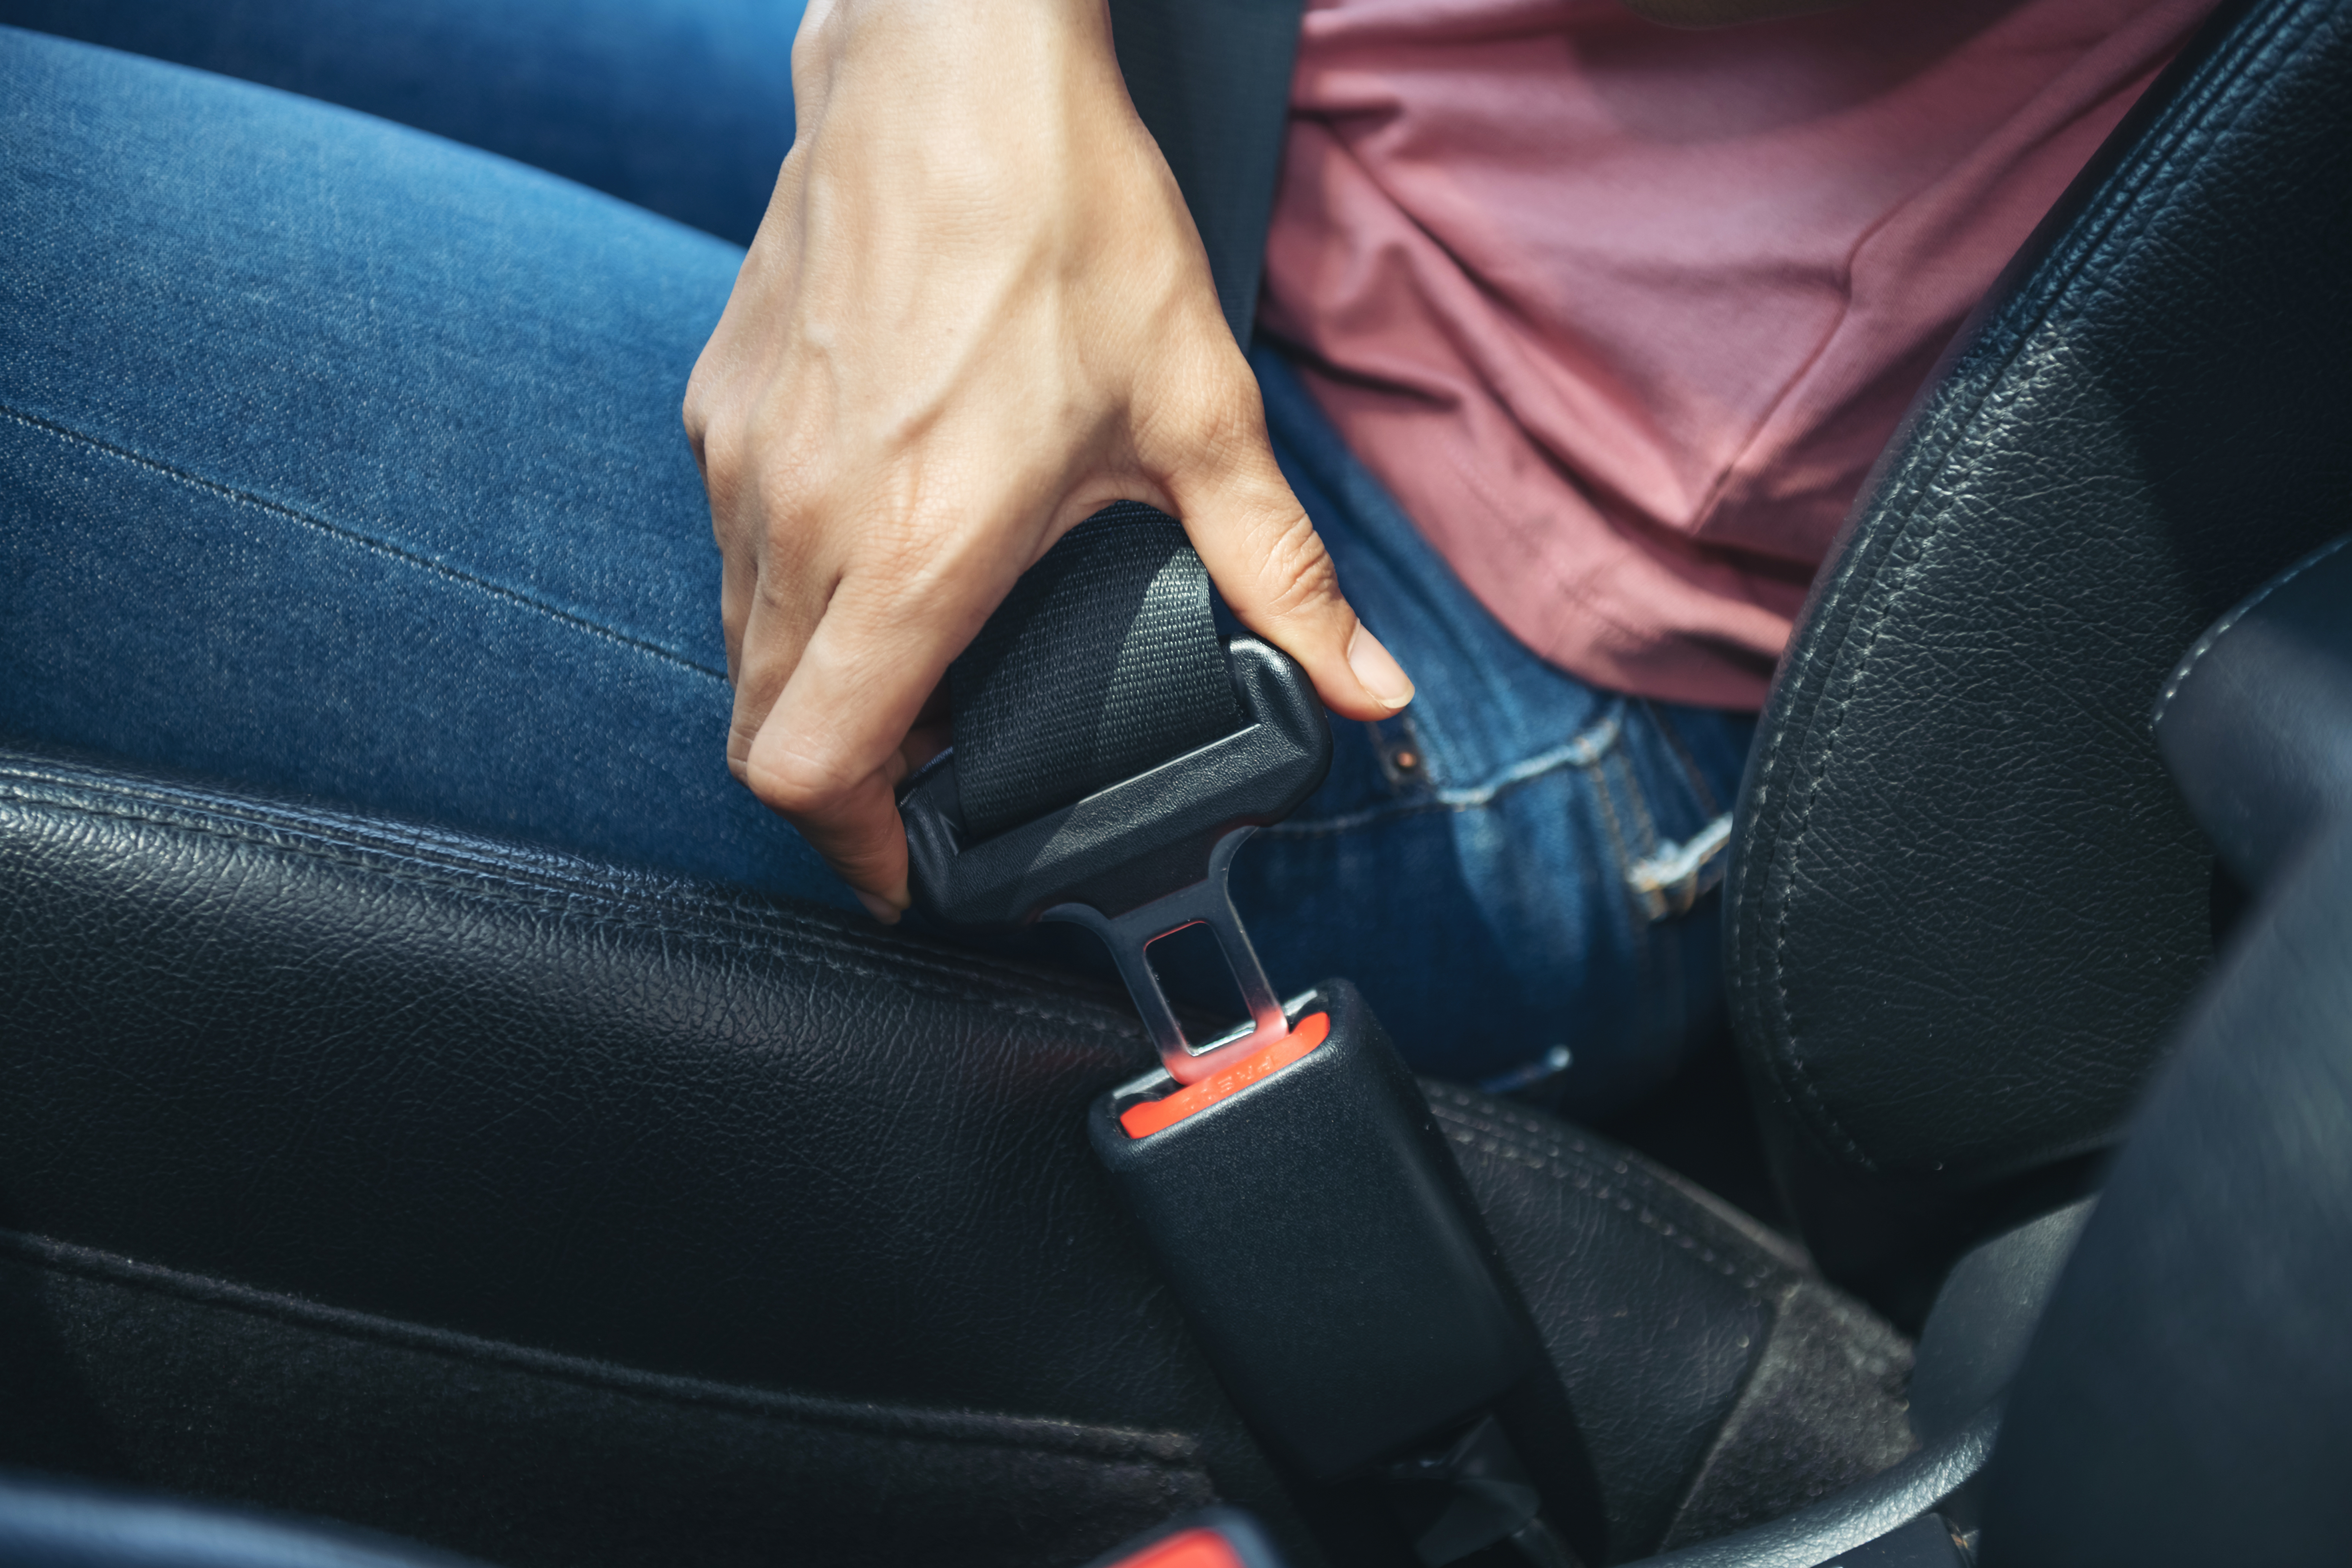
pixel 379 859
pixel 423 1339
pixel 2222 627
pixel 353 537
pixel 732 939
pixel 1620 1162
pixel 1553 1161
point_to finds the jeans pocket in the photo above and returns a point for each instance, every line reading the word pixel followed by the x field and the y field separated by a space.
pixel 1667 822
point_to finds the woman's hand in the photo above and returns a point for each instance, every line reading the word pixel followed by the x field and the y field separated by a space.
pixel 976 312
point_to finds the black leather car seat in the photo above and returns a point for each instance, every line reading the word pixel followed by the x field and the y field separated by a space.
pixel 2188 1398
pixel 1966 904
pixel 2185 1399
pixel 556 1213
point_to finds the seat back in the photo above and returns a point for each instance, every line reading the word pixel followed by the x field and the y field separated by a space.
pixel 1966 903
pixel 2188 1396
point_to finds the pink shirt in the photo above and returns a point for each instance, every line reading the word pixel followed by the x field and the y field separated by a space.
pixel 1623 315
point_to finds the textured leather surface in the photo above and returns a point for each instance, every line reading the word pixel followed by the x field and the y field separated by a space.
pixel 578 1110
pixel 1965 903
pixel 529 1459
pixel 1821 1536
pixel 1715 1379
pixel 2256 724
pixel 2188 1399
pixel 330 1143
pixel 1983 1320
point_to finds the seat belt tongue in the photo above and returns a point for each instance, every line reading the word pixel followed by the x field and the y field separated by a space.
pixel 1111 755
pixel 1208 902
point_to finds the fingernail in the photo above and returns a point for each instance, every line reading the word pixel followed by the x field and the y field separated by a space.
pixel 1378 669
pixel 880 909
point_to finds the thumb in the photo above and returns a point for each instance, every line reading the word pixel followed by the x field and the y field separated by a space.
pixel 1266 558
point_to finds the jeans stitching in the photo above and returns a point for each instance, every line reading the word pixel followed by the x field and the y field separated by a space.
pixel 1708 809
pixel 1589 747
pixel 1657 901
pixel 1637 805
pixel 353 537
pixel 1619 852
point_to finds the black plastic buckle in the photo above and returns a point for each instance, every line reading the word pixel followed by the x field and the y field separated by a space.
pixel 1324 1246
pixel 1145 857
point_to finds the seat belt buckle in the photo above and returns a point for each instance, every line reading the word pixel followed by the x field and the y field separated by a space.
pixel 1145 857
pixel 1311 1222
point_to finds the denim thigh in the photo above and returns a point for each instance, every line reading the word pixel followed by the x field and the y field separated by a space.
pixel 344 461
pixel 1515 869
pixel 683 107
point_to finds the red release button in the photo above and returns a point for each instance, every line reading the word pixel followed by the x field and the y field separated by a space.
pixel 1188 1548
pixel 1147 1117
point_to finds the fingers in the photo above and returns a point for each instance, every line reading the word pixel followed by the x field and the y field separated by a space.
pixel 1267 561
pixel 931 366
pixel 830 780
pixel 825 737
pixel 738 579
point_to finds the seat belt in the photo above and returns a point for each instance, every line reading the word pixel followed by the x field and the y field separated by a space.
pixel 1211 80
pixel 1104 662
pixel 1109 755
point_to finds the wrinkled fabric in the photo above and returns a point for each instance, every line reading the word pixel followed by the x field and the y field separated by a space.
pixel 1623 315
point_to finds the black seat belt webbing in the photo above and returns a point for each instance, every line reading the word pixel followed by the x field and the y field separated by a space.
pixel 1104 660
pixel 1212 82
pixel 1102 663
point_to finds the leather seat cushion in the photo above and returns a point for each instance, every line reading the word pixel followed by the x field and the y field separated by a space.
pixel 1716 1379
pixel 543 1209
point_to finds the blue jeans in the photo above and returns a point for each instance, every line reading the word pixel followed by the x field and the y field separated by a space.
pixel 345 460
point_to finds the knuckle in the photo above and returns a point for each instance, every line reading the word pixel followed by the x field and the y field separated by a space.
pixel 804 784
pixel 1236 414
pixel 1296 570
pixel 723 444
pixel 905 552
pixel 739 736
